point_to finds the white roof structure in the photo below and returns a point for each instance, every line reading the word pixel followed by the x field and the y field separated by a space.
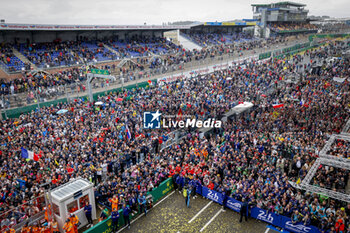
pixel 55 27
pixel 68 190
pixel 242 107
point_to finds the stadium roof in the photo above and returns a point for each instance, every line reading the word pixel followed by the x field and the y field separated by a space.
pixel 55 27
pixel 281 3
pixel 233 23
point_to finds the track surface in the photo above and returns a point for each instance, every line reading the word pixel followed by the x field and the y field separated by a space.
pixel 172 216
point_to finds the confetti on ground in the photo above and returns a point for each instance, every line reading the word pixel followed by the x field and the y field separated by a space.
pixel 173 216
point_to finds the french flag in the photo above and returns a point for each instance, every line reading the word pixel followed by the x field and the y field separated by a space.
pixel 27 154
pixel 128 134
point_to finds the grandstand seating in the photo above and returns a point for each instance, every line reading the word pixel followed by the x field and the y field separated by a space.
pixel 53 54
pixel 282 27
pixel 69 53
pixel 142 47
pixel 211 39
pixel 95 51
pixel 9 60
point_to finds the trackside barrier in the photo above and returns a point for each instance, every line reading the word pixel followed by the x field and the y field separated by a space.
pixel 106 226
pixel 257 213
pixel 286 51
pixel 16 112
pixel 329 36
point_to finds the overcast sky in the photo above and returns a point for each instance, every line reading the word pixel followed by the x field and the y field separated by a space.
pixel 117 12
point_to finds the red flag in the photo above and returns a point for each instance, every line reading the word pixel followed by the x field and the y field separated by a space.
pixel 149 81
pixel 277 105
pixel 179 114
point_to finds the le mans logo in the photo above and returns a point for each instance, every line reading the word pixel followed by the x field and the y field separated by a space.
pixel 151 120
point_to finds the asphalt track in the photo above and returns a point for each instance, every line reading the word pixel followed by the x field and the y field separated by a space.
pixel 171 215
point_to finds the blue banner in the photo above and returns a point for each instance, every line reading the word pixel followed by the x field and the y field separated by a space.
pixel 257 213
pixel 287 224
pixel 212 195
pixel 265 216
pixel 233 204
pixel 199 189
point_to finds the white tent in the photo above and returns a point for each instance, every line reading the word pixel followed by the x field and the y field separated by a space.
pixel 242 107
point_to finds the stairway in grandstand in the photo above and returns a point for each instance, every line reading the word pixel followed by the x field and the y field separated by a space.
pixel 77 55
pixel 23 58
pixel 188 44
pixel 112 50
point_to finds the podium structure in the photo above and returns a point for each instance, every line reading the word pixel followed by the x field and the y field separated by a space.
pixel 72 198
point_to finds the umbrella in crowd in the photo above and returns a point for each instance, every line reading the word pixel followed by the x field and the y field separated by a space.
pixel 62 111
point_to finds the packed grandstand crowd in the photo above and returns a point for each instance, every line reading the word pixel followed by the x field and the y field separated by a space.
pixel 292 26
pixel 252 156
pixel 210 39
pixel 39 83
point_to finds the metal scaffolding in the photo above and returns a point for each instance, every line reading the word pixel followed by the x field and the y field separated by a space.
pixel 311 172
pixel 328 160
pixel 322 191
pixel 346 129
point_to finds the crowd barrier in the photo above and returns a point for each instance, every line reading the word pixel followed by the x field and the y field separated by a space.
pixel 328 36
pixel 288 51
pixel 16 112
pixel 257 213
pixel 297 31
pixel 106 226
pixel 260 214
pixel 263 56
pixel 302 47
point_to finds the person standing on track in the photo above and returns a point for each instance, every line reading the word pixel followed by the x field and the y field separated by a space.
pixel 126 214
pixel 188 198
pixel 184 192
pixel 88 213
pixel 115 219
pixel 226 193
pixel 143 203
pixel 244 210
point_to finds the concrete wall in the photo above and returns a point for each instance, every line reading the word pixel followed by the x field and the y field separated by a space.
pixel 4 75
pixel 173 36
pixel 10 36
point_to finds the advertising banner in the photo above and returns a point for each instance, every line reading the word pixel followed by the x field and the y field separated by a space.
pixel 212 195
pixel 287 224
pixel 265 216
pixel 233 204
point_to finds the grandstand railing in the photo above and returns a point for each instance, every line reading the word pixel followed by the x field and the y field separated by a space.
pixel 19 215
pixel 7 70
